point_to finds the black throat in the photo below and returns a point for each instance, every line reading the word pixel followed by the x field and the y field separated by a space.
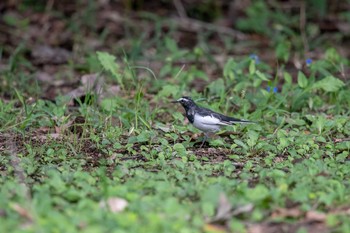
pixel 190 114
pixel 190 109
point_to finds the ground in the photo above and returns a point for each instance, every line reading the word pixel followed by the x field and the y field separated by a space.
pixel 90 141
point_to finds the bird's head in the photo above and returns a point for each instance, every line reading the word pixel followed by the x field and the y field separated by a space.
pixel 185 101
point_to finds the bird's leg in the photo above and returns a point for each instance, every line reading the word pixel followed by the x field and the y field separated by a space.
pixel 204 139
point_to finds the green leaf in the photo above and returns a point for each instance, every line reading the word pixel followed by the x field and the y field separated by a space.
pixel 108 63
pixel 287 78
pixel 229 69
pixel 253 137
pixel 240 143
pixel 144 136
pixel 332 55
pixel 208 208
pixel 260 192
pixel 217 87
pixel 261 75
pixel 283 50
pixel 145 122
pixel 165 70
pixel 302 80
pixel 180 149
pixel 171 44
pixel 329 84
pixel 109 104
pixel 283 143
pixel 252 67
pixel 217 142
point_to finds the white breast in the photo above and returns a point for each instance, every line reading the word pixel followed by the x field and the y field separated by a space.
pixel 207 123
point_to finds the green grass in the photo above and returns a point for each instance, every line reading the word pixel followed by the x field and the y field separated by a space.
pixel 61 162
pixel 54 179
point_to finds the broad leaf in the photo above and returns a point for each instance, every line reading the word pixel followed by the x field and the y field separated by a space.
pixel 302 80
pixel 329 84
pixel 108 63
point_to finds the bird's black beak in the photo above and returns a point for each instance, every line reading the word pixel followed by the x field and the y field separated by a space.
pixel 174 101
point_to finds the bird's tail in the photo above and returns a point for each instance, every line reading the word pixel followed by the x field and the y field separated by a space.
pixel 235 121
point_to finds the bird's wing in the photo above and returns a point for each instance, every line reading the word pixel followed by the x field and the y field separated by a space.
pixel 209 120
pixel 222 119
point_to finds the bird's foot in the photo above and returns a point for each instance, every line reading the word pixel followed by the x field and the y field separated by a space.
pixel 204 140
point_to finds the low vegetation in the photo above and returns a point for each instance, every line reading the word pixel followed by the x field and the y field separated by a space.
pixel 90 141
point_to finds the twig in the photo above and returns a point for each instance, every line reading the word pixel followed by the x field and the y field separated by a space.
pixel 180 8
pixel 197 26
pixel 337 140
pixel 185 23
pixel 302 26
pixel 178 73
pixel 49 5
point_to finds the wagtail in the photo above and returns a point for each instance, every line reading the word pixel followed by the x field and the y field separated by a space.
pixel 205 119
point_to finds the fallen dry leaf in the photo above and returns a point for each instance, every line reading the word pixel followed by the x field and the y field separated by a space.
pixel 43 138
pixel 243 209
pixel 22 211
pixel 273 227
pixel 90 84
pixel 283 213
pixel 2 211
pixel 63 127
pixel 164 128
pixel 337 140
pixel 114 204
pixel 43 54
pixel 44 77
pixel 93 85
pixel 278 159
pixel 214 228
pixel 257 228
pixel 111 91
pixel 223 211
pixel 316 216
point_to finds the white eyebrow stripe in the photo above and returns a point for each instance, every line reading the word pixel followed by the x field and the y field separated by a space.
pixel 182 99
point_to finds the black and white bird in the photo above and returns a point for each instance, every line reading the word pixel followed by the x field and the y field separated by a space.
pixel 205 119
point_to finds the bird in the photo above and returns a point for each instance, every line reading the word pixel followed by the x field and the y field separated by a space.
pixel 205 119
